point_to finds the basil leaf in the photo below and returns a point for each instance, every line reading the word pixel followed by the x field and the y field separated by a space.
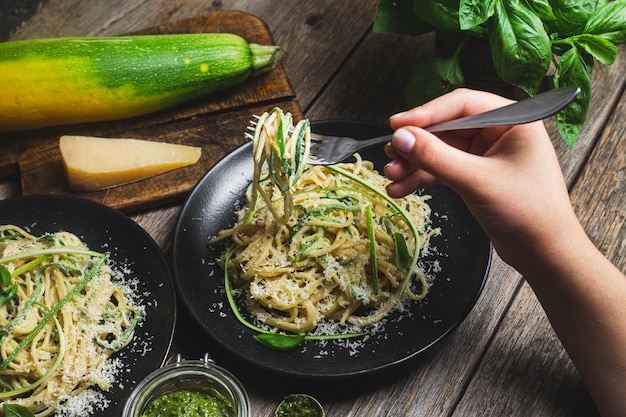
pixel 279 341
pixel 441 14
pixel 520 46
pixel 431 78
pixel 401 252
pixel 609 22
pixel 571 16
pixel 598 47
pixel 16 410
pixel 5 276
pixel 574 69
pixel 474 13
pixel 543 9
pixel 5 296
pixel 397 16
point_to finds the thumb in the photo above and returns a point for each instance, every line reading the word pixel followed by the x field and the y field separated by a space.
pixel 427 152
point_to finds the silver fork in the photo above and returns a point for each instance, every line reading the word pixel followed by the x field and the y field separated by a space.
pixel 328 150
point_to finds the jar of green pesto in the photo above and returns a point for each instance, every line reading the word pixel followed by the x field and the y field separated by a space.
pixel 188 388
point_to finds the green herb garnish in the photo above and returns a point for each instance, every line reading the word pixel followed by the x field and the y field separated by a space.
pixel 277 341
pixel 401 212
pixel 534 44
pixel 16 410
pixel 401 251
pixel 369 218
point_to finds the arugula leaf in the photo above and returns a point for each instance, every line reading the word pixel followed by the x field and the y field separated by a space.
pixel 397 16
pixel 574 69
pixel 16 410
pixel 609 22
pixel 520 46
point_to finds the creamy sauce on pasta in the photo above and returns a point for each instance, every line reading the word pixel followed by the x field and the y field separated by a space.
pixel 327 246
pixel 62 316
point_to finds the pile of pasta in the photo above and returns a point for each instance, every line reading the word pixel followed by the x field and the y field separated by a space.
pixel 61 318
pixel 319 243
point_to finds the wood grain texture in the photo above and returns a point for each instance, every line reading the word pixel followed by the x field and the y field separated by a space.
pixel 215 123
pixel 526 364
pixel 504 359
pixel 526 368
pixel 317 36
pixel 608 84
pixel 599 195
pixel 548 392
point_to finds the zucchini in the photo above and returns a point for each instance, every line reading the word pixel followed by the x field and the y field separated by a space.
pixel 47 82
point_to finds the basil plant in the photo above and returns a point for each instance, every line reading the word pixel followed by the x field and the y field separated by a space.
pixel 553 43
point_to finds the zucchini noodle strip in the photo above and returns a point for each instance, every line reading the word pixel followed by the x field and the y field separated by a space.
pixel 61 318
pixel 322 245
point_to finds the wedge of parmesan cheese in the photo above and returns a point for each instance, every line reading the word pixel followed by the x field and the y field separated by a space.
pixel 93 163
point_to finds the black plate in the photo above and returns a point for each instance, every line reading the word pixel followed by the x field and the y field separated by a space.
pixel 106 230
pixel 465 259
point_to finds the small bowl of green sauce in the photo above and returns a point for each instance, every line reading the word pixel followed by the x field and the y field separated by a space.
pixel 299 405
pixel 189 388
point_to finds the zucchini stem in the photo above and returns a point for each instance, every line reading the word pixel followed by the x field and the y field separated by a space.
pixel 264 57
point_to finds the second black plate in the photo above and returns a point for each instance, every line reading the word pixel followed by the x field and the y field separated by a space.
pixel 128 245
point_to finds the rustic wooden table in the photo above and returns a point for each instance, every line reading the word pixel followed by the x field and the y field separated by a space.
pixel 504 359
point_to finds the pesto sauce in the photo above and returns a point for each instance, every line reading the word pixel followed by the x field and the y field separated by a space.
pixel 295 405
pixel 190 402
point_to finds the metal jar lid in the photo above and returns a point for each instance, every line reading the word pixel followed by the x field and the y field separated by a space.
pixel 183 374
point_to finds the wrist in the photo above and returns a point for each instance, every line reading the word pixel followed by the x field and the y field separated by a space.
pixel 559 259
pixel 549 248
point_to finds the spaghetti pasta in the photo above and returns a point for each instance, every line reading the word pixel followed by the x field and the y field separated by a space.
pixel 325 243
pixel 61 317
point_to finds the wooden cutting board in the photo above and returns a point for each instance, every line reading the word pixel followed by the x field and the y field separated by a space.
pixel 216 123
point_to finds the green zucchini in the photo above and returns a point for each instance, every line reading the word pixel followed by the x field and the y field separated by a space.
pixel 47 82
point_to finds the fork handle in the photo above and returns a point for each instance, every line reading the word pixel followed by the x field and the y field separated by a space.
pixel 528 110
pixel 524 111
pixel 372 141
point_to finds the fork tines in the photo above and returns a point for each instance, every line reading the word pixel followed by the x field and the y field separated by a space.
pixel 252 127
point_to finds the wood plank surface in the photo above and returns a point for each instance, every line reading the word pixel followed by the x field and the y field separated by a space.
pixel 215 123
pixel 504 283
pixel 526 363
pixel 504 359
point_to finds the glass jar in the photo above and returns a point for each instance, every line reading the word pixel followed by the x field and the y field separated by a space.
pixel 182 374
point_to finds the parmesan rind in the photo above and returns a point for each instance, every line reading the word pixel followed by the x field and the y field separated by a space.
pixel 93 163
